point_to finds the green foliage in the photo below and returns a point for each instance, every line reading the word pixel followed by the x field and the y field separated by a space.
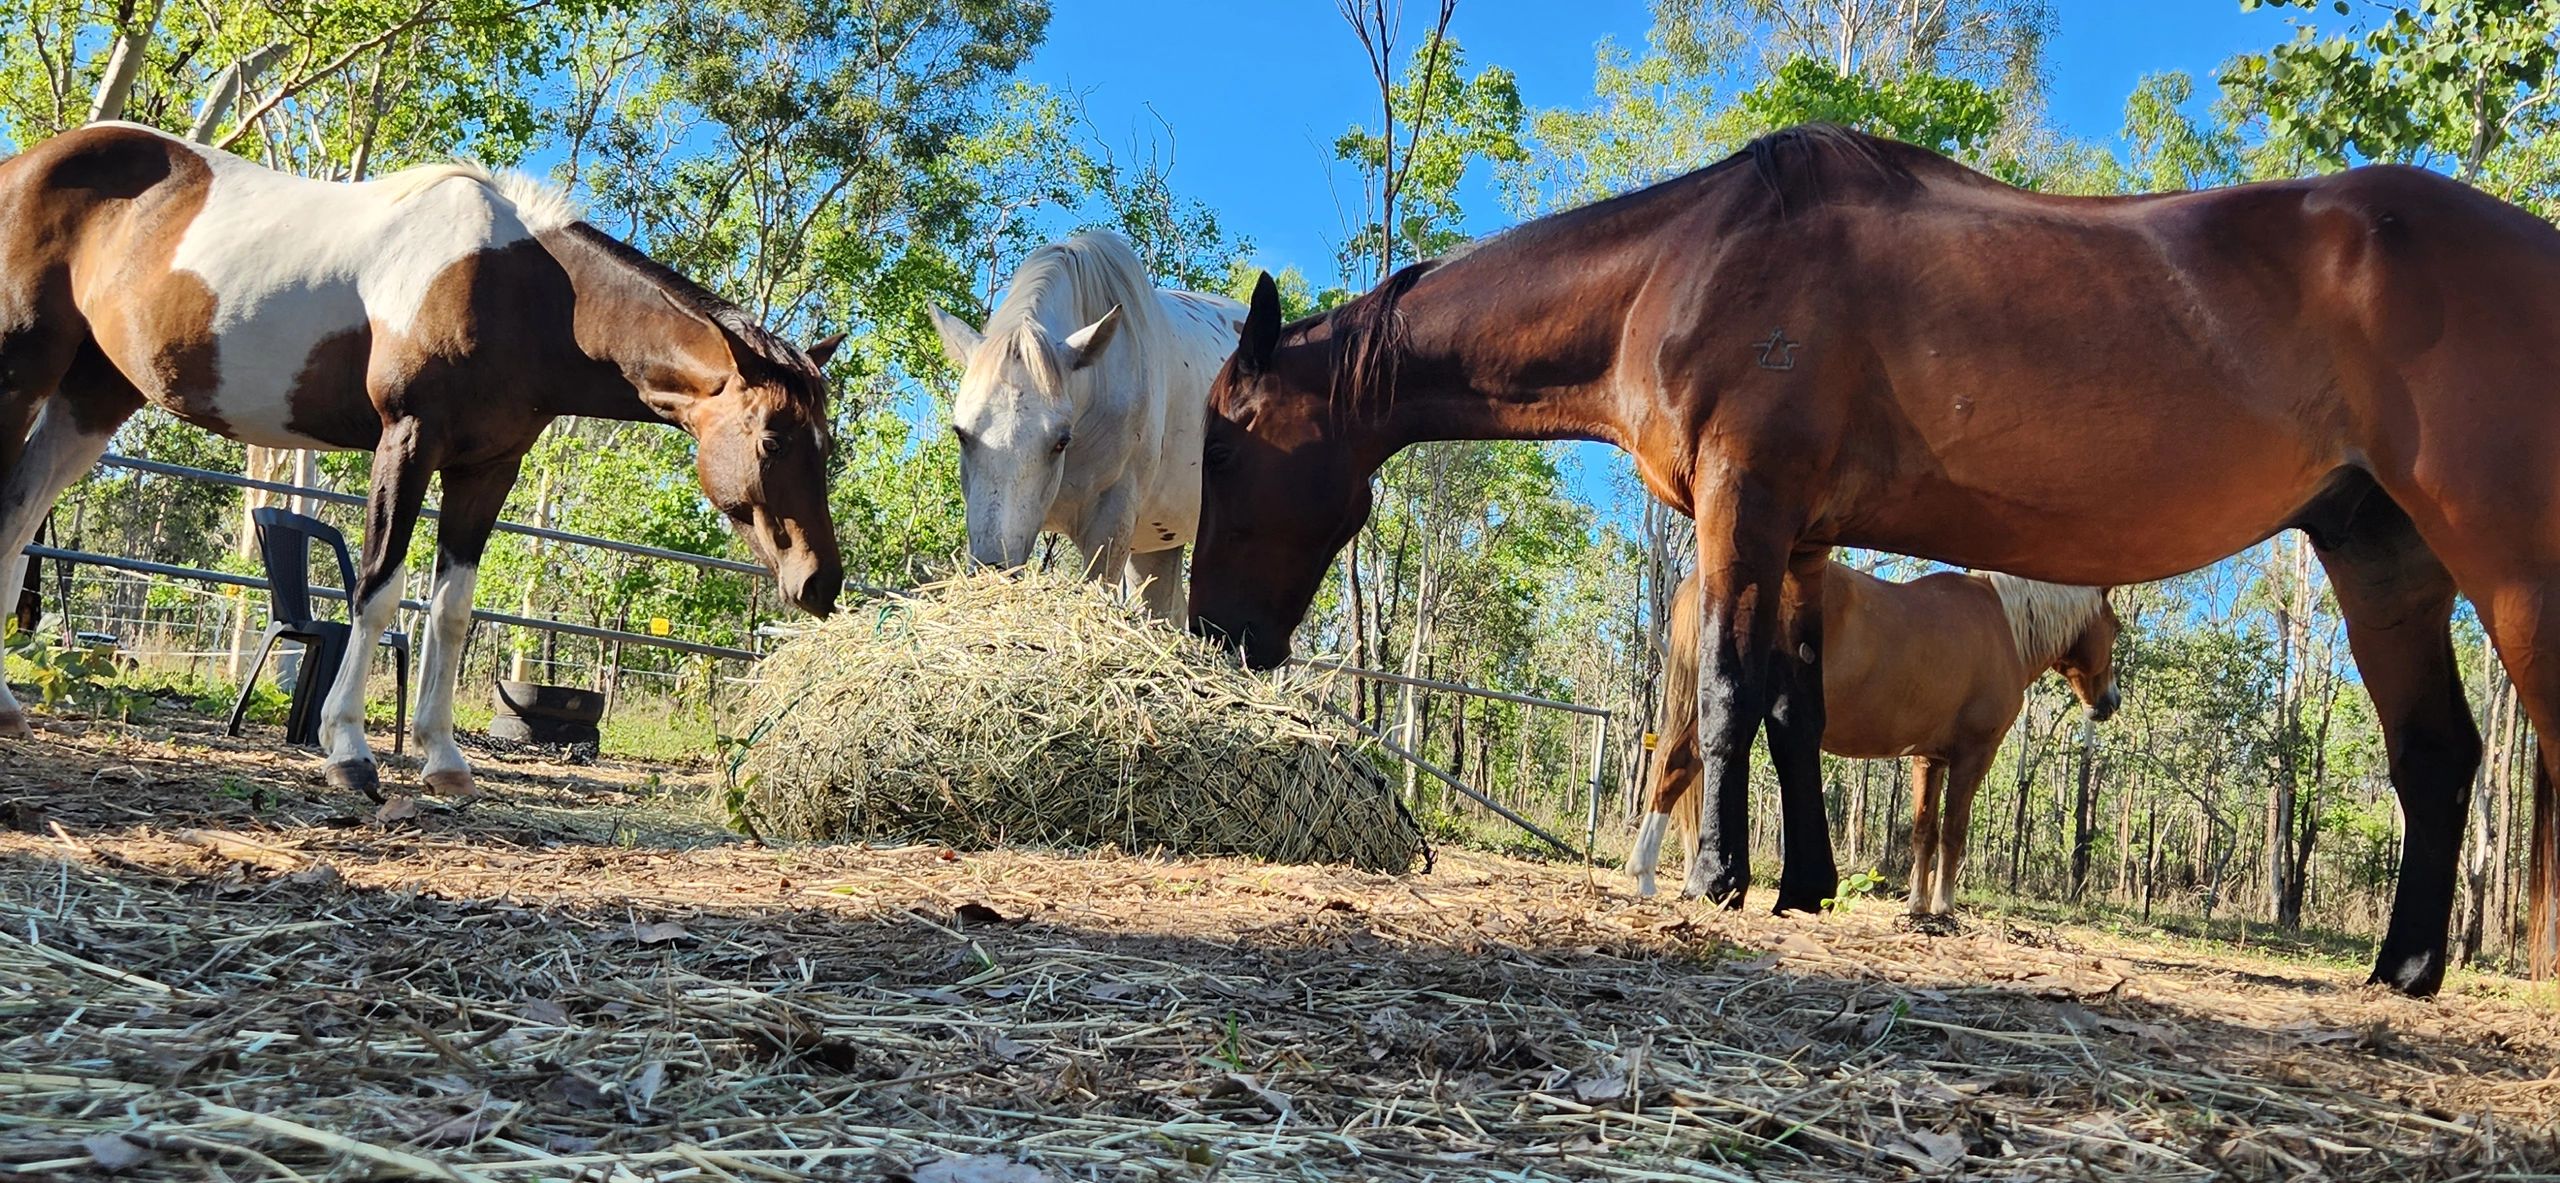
pixel 1950 115
pixel 1452 122
pixel 2451 81
pixel 76 675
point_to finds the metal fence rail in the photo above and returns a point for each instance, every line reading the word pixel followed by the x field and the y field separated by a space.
pixel 235 480
pixel 169 571
pixel 1599 745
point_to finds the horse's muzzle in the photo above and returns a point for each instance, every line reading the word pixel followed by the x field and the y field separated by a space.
pixel 811 587
pixel 1243 640
pixel 2105 708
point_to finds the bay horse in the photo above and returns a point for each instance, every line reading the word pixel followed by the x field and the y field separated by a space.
pixel 1934 670
pixel 439 318
pixel 1080 411
pixel 1832 339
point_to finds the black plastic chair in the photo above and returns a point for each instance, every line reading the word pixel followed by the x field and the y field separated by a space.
pixel 284 546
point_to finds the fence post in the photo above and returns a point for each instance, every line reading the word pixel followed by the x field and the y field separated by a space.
pixel 1599 766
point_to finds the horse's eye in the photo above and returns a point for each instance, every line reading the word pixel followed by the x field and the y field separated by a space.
pixel 1064 438
pixel 1218 453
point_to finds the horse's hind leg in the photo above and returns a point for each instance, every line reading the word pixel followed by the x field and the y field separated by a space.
pixel 1746 540
pixel 1676 793
pixel 71 432
pixel 2398 602
pixel 1677 796
pixel 1808 875
pixel 1963 778
pixel 473 498
pixel 2523 619
pixel 1928 790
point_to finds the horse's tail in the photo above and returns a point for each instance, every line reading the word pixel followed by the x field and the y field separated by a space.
pixel 1676 722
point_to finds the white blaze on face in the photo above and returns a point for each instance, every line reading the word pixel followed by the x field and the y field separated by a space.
pixel 1011 464
pixel 292 262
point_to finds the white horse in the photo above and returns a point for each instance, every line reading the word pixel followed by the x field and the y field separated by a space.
pixel 1080 411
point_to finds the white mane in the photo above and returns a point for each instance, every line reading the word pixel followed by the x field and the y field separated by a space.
pixel 1064 286
pixel 541 204
pixel 2044 618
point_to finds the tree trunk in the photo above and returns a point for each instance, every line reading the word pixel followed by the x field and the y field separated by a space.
pixel 124 60
pixel 2084 815
pixel 2488 784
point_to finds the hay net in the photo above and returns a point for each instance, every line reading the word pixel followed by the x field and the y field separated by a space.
pixel 1035 711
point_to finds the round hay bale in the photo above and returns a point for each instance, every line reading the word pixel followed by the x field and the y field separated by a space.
pixel 989 711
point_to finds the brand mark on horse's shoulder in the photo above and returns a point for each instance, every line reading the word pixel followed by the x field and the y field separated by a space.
pixel 1778 353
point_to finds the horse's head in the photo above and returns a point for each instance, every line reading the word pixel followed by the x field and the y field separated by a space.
pixel 1015 418
pixel 1280 491
pixel 2089 665
pixel 761 443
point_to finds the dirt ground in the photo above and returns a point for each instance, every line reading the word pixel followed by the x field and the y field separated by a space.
pixel 213 968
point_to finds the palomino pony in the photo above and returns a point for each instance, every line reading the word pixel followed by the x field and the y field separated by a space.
pixel 1080 411
pixel 1831 339
pixel 1935 669
pixel 439 318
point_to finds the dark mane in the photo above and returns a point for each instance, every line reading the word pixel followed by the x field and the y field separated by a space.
pixel 1368 334
pixel 1801 165
pixel 698 300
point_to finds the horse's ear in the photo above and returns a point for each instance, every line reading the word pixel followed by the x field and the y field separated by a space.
pixel 959 341
pixel 823 348
pixel 1086 344
pixel 1261 335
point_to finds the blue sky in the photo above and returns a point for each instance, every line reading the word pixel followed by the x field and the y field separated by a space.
pixel 1255 92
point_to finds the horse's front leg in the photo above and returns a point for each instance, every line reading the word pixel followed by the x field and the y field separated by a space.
pixel 473 497
pixel 1809 875
pixel 400 474
pixel 1745 542
pixel 1158 575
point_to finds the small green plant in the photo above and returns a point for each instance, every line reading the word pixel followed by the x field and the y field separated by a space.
pixel 1858 885
pixel 1231 1052
pixel 734 788
pixel 258 797
pixel 76 675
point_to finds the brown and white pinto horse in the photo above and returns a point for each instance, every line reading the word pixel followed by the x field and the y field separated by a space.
pixel 1831 339
pixel 1935 669
pixel 439 318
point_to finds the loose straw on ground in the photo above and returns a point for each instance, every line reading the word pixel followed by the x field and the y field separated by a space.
pixel 577 979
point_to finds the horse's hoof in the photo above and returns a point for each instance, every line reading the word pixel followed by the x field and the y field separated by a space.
pixel 1795 903
pixel 2417 975
pixel 13 725
pixel 1726 898
pixel 1645 885
pixel 453 782
pixel 355 776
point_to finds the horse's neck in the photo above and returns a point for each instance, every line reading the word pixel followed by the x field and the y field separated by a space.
pixel 636 338
pixel 1495 348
